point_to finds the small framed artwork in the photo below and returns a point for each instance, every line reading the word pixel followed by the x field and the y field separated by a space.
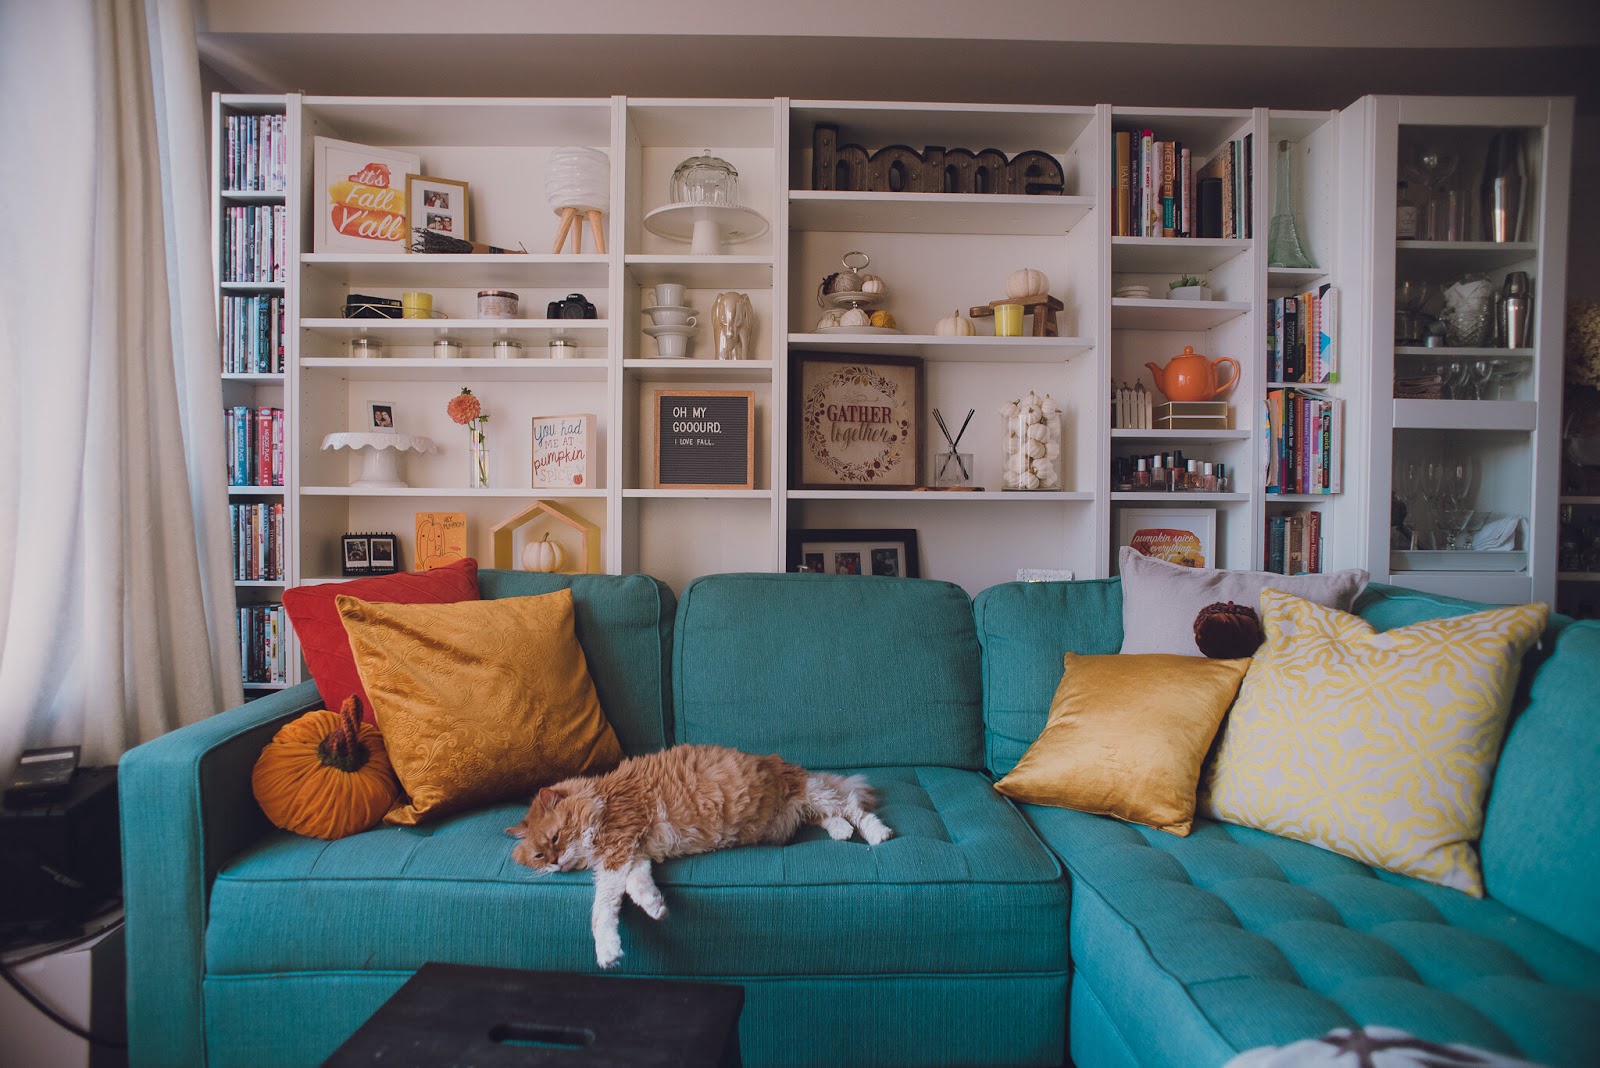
pixel 356 553
pixel 1184 536
pixel 704 439
pixel 857 421
pixel 382 554
pixel 380 417
pixel 361 196
pixel 854 552
pixel 435 206
pixel 563 451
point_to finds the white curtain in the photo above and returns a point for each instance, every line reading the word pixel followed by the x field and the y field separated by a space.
pixel 116 613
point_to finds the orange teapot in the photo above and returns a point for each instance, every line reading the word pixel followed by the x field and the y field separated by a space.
pixel 1191 377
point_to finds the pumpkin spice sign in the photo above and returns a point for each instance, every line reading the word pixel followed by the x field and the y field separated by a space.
pixel 859 421
pixel 363 196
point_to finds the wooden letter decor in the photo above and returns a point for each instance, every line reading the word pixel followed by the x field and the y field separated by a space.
pixel 901 169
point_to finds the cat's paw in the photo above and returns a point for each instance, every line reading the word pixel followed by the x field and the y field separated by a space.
pixel 875 831
pixel 838 829
pixel 656 910
pixel 607 952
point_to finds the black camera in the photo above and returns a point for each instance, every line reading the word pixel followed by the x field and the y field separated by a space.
pixel 573 307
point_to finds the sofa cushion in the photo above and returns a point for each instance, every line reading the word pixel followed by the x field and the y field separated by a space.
pixel 1199 948
pixel 1024 629
pixel 964 888
pixel 1376 744
pixel 624 624
pixel 830 670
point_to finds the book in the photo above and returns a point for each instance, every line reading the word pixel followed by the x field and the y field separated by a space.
pixel 1327 359
pixel 1185 194
pixel 1169 186
pixel 562 451
pixel 441 539
pixel 1122 149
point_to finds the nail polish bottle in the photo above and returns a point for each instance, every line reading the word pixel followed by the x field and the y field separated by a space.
pixel 1141 475
pixel 1191 476
pixel 1158 474
pixel 1208 479
pixel 1224 485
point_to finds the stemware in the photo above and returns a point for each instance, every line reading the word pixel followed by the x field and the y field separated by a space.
pixel 1433 495
pixel 1433 166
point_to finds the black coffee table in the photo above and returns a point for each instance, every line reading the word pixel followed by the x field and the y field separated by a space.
pixel 456 1014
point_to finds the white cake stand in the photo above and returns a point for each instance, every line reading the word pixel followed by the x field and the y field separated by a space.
pixel 380 466
pixel 706 226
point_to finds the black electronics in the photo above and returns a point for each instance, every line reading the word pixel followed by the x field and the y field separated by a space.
pixel 360 306
pixel 42 775
pixel 60 860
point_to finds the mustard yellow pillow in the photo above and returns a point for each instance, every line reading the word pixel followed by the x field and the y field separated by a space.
pixel 1377 745
pixel 478 701
pixel 1126 737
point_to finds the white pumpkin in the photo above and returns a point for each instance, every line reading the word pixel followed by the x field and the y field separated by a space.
pixel 830 318
pixel 1009 409
pixel 871 283
pixel 542 555
pixel 954 325
pixel 1026 282
pixel 855 317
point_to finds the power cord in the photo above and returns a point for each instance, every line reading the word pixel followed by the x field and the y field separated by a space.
pixel 54 1017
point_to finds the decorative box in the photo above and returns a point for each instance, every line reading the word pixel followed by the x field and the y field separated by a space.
pixel 1192 415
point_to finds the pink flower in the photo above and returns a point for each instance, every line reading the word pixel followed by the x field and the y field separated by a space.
pixel 464 407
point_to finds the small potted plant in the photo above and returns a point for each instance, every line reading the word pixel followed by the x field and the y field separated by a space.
pixel 1188 287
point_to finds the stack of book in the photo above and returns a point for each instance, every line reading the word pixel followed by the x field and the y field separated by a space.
pixel 1303 336
pixel 255 243
pixel 252 334
pixel 1305 442
pixel 1294 543
pixel 257 541
pixel 1161 192
pixel 263 643
pixel 255 446
pixel 256 153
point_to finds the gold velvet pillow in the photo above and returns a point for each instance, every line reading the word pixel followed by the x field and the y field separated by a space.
pixel 1126 737
pixel 478 701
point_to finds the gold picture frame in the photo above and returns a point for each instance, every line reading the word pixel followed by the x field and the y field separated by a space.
pixel 436 206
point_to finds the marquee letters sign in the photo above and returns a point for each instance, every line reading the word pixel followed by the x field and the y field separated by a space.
pixel 900 169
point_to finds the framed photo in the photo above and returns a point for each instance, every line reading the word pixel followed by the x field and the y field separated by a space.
pixel 435 206
pixel 382 554
pixel 380 417
pixel 1186 536
pixel 360 195
pixel 857 421
pixel 854 552
pixel 356 554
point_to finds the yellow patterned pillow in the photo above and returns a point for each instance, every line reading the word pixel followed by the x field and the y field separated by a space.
pixel 1376 745
pixel 478 701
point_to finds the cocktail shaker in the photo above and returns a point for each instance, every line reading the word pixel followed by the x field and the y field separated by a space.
pixel 1505 174
pixel 1516 309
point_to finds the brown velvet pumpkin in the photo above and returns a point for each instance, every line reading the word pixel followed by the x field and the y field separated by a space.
pixel 326 774
pixel 1227 631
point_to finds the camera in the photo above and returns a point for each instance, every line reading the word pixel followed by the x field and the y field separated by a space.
pixel 573 307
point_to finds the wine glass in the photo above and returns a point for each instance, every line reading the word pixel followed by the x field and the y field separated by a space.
pixel 1433 495
pixel 1505 372
pixel 1432 165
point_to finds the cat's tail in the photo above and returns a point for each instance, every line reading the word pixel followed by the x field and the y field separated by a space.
pixel 844 805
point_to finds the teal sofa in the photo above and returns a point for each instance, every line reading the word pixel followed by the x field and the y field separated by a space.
pixel 983 933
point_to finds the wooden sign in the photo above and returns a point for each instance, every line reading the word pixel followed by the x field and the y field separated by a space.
pixel 857 421
pixel 441 539
pixel 563 452
pixel 704 439
pixel 901 169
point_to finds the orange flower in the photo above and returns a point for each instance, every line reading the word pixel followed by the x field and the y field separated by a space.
pixel 464 407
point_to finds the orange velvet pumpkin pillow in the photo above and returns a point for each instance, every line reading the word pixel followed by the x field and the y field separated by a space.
pixel 326 774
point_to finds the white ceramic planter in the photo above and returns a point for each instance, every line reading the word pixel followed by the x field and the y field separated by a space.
pixel 1189 293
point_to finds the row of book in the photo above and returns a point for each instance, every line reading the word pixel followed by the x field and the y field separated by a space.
pixel 255 243
pixel 258 540
pixel 1303 336
pixel 1163 192
pixel 255 446
pixel 1294 543
pixel 256 153
pixel 264 643
pixel 1305 442
pixel 252 334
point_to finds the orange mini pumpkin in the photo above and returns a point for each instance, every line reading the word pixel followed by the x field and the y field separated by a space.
pixel 326 774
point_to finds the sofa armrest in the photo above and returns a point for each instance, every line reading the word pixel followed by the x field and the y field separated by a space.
pixel 186 808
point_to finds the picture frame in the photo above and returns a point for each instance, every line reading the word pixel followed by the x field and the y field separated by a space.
pixel 1184 536
pixel 856 421
pixel 891 552
pixel 383 554
pixel 355 554
pixel 436 206
pixel 360 193
pixel 564 451
pixel 381 417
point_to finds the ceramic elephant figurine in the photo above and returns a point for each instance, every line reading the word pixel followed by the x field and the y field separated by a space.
pixel 731 320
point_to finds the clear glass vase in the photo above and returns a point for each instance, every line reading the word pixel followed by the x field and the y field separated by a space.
pixel 1031 438
pixel 1283 240
pixel 477 462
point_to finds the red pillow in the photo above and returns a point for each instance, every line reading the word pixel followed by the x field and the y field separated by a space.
pixel 326 646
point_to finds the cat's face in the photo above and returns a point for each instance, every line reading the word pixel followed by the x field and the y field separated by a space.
pixel 551 835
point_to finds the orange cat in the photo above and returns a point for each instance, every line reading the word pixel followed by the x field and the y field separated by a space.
pixel 675 803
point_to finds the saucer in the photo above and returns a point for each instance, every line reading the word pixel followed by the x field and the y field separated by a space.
pixel 651 311
pixel 680 331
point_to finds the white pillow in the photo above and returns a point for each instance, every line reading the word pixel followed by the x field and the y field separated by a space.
pixel 1160 601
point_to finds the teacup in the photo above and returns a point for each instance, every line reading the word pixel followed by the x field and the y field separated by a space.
pixel 673 346
pixel 673 317
pixel 669 293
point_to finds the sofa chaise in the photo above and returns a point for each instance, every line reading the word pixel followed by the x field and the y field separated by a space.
pixel 984 933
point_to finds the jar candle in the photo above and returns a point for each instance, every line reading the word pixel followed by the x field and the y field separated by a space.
pixel 448 348
pixel 416 305
pixel 563 348
pixel 497 304
pixel 365 348
pixel 507 348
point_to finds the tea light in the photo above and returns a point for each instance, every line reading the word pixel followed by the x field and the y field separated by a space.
pixel 563 348
pixel 365 348
pixel 448 348
pixel 507 348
